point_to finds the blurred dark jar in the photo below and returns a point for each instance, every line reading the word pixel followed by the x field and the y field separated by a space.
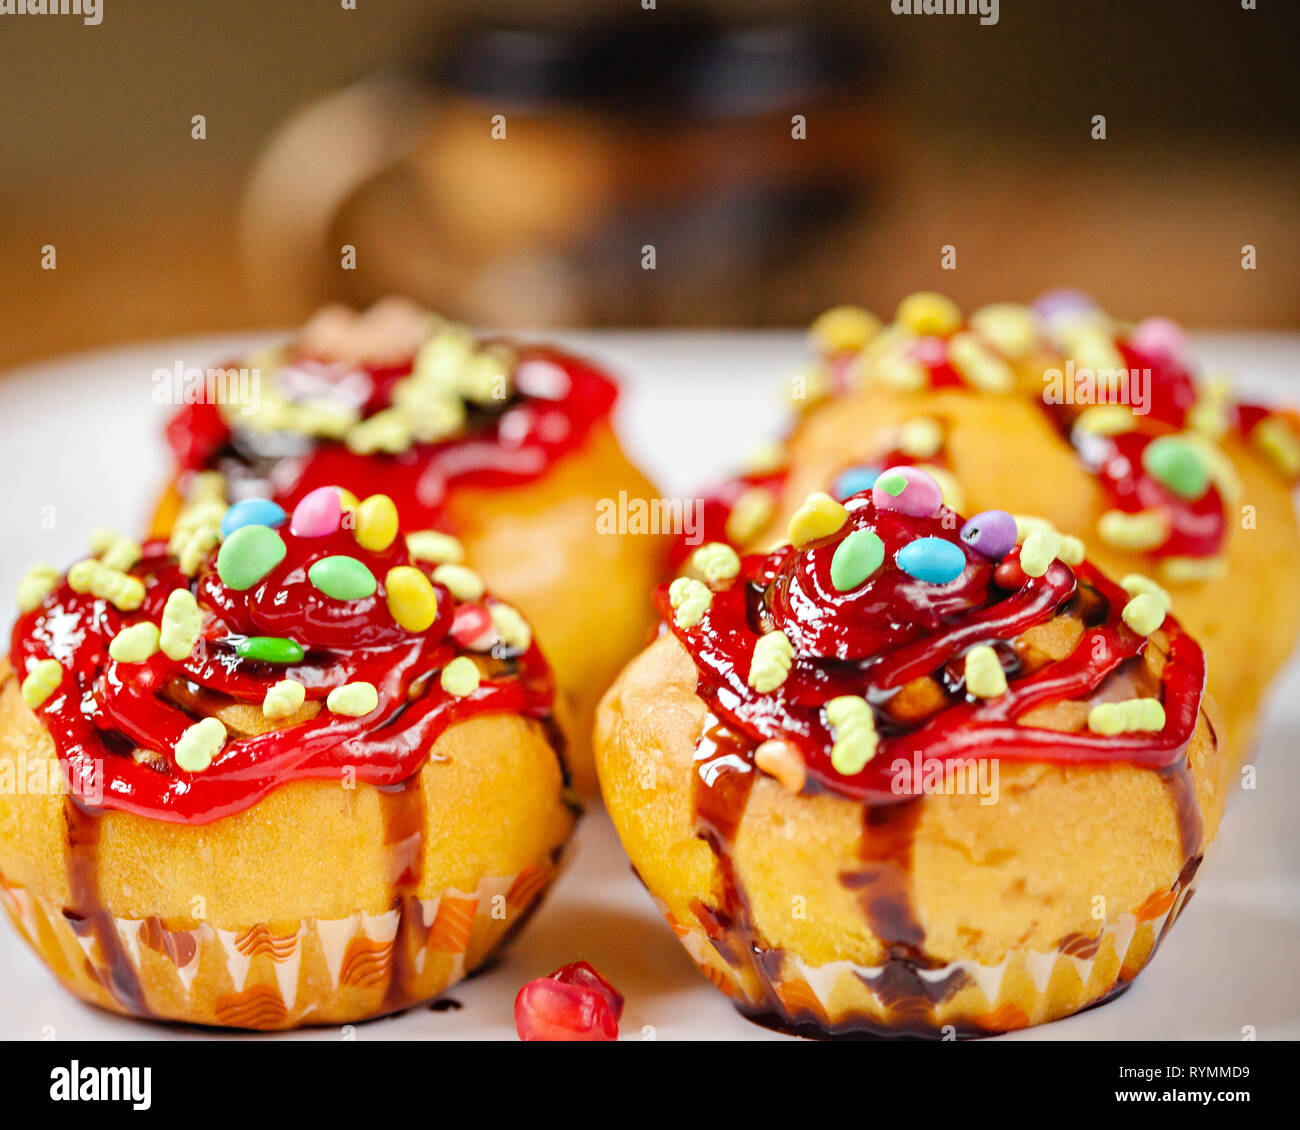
pixel 533 177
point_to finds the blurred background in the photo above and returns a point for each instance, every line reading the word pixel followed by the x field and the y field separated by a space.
pixel 778 157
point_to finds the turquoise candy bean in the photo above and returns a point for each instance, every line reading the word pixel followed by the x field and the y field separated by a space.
pixel 252 512
pixel 932 560
pixel 854 480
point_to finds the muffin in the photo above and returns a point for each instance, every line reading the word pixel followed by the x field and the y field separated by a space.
pixel 901 776
pixel 1068 419
pixel 506 447
pixel 305 777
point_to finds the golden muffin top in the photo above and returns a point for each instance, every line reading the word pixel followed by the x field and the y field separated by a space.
pixel 393 399
pixel 1126 397
pixel 185 680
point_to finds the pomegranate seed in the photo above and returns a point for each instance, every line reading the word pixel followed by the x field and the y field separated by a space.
pixel 581 973
pixel 574 1003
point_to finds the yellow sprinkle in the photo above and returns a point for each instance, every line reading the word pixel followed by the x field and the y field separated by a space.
pixel 101 537
pixel 715 562
pixel 1209 415
pixel 1105 420
pixel 376 523
pixel 773 656
pixel 1144 613
pixel 284 699
pixel 1136 584
pixel 182 622
pixel 82 574
pixel 843 329
pixel 463 583
pixel 1092 346
pixel 1041 548
pixel 980 368
pixel 122 554
pixel 486 377
pixel 920 438
pixel 1208 419
pixel 347 500
pixel 984 675
pixel 691 599
pixel 1223 472
pixel 41 682
pixel 514 629
pixel 387 431
pixel 1279 444
pixel 354 699
pixel 1193 570
pixel 1026 524
pixel 927 313
pixel 818 517
pixel 429 545
pixel 765 458
pixel 949 488
pixel 751 512
pixel 1072 550
pixel 134 644
pixel 853 727
pixel 121 590
pixel 195 549
pixel 411 598
pixel 898 372
pixel 207 485
pixel 1009 328
pixel 782 760
pixel 1135 714
pixel 1144 530
pixel 460 677
pixel 200 744
pixel 37 583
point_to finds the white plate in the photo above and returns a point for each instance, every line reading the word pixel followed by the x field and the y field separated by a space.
pixel 80 445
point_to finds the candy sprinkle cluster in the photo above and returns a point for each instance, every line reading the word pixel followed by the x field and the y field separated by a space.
pixel 318 615
pixel 872 581
pixel 1135 414
pixel 452 374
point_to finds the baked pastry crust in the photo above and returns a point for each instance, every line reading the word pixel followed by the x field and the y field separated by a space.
pixel 338 857
pixel 938 914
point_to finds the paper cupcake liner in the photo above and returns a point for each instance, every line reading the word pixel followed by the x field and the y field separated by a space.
pixel 1027 987
pixel 259 977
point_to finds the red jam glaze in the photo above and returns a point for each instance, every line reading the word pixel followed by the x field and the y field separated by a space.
pixel 558 400
pixel 718 504
pixel 104 710
pixel 1197 527
pixel 876 638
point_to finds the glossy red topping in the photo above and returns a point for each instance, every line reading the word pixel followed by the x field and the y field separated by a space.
pixel 876 638
pixel 107 711
pixel 573 1003
pixel 556 401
